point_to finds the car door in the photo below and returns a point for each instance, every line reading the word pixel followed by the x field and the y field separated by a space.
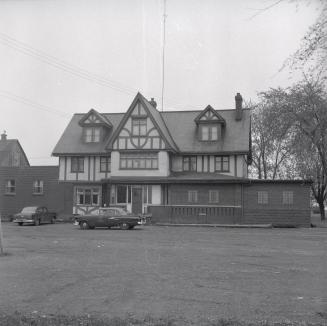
pixel 45 215
pixel 101 219
pixel 110 213
pixel 39 214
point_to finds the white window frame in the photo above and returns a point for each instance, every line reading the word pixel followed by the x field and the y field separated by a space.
pixel 10 187
pixel 38 187
pixel 213 196
pixel 192 196
pixel 288 197
pixel 93 191
pixel 263 197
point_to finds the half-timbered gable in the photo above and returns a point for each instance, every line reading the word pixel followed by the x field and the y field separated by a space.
pixel 95 127
pixel 140 130
pixel 210 125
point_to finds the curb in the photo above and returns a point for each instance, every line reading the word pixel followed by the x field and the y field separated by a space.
pixel 241 226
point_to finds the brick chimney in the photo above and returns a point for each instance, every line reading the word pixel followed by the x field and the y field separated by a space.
pixel 4 136
pixel 153 103
pixel 238 106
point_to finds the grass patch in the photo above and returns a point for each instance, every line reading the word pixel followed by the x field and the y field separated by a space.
pixel 35 319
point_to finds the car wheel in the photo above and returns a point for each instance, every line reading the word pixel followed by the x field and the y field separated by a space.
pixel 131 227
pixel 83 225
pixel 20 223
pixel 124 226
pixel 37 222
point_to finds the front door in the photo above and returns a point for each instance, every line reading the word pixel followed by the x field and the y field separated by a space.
pixel 136 200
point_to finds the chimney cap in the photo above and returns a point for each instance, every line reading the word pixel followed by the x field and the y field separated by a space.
pixel 153 102
pixel 238 96
pixel 4 135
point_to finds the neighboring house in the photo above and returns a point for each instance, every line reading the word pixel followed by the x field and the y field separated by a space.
pixel 11 153
pixel 24 185
pixel 182 166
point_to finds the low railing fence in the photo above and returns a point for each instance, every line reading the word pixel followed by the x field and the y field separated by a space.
pixel 198 214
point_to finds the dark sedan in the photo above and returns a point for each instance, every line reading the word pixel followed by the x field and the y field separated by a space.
pixel 110 217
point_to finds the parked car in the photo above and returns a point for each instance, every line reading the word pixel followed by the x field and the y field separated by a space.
pixel 110 217
pixel 34 215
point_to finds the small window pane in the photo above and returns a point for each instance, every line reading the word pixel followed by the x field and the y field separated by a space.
pixel 192 196
pixel 213 196
pixel 214 133
pixel 205 133
pixel 287 197
pixel 262 197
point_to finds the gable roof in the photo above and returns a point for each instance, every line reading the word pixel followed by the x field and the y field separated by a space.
pixel 178 128
pixel 155 117
pixel 184 131
pixel 103 120
pixel 8 146
pixel 210 115
pixel 71 142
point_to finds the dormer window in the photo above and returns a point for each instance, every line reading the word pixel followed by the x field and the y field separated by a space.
pixel 210 125
pixel 92 134
pixel 209 132
pixel 95 127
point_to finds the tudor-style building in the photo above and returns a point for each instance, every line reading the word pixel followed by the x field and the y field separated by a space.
pixel 132 159
pixel 182 166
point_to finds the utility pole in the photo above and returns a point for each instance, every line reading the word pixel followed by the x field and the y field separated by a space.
pixel 163 55
pixel 1 238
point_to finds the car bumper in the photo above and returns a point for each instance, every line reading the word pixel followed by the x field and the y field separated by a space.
pixel 23 220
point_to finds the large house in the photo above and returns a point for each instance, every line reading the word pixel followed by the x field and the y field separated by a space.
pixel 182 166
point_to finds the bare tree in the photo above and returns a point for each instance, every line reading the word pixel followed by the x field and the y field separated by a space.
pixel 300 113
pixel 271 137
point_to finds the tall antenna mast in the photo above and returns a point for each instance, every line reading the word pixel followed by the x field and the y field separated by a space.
pixel 163 56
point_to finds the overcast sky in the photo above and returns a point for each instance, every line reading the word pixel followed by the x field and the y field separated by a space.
pixel 59 57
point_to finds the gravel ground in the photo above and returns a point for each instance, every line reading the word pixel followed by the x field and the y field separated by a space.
pixel 187 273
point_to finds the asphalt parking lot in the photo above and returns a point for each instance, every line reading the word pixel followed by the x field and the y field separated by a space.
pixel 190 272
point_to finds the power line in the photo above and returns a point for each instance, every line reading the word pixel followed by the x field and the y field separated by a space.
pixel 63 65
pixel 31 103
pixel 163 56
pixel 78 71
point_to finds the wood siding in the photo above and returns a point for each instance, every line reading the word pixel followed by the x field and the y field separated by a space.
pixel 275 212
pixel 57 197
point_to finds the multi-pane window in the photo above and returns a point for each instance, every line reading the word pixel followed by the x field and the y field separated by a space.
pixel 77 164
pixel 222 163
pixel 139 161
pixel 189 163
pixel 287 197
pixel 92 134
pixel 10 186
pixel 209 132
pixel 262 197
pixel 192 196
pixel 213 196
pixel 139 126
pixel 105 164
pixel 124 194
pixel 38 187
pixel 87 196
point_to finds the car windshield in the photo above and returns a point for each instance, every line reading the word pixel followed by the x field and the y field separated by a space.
pixel 112 211
pixel 121 211
pixel 29 209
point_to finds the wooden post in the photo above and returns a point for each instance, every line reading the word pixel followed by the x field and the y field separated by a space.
pixel 1 242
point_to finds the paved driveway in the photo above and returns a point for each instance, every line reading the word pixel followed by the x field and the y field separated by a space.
pixel 194 273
